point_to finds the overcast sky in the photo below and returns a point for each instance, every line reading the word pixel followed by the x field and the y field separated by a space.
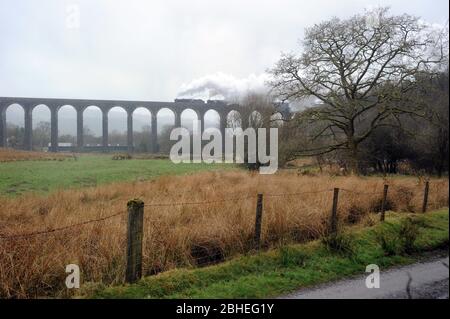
pixel 153 50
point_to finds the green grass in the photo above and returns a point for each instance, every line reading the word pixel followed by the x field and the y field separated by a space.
pixel 280 271
pixel 88 170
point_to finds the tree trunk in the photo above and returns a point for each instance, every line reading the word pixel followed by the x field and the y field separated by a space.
pixel 354 162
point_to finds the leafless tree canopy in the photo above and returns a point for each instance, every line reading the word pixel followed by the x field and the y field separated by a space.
pixel 361 71
pixel 254 110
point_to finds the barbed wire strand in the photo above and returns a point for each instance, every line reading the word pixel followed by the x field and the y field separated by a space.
pixel 299 193
pixel 53 230
pixel 360 193
pixel 200 203
pixel 43 232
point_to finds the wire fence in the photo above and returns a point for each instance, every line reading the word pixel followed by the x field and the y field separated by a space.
pixel 174 204
pixel 360 193
pixel 203 256
pixel 199 203
pixel 59 229
pixel 299 193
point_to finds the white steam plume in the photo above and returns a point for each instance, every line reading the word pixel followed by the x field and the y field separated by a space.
pixel 222 86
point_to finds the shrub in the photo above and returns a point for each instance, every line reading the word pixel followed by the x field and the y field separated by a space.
pixel 289 256
pixel 355 214
pixel 119 157
pixel 388 242
pixel 401 240
pixel 207 253
pixel 408 234
pixel 342 244
pixel 375 206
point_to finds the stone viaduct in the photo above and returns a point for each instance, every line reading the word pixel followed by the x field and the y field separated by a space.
pixel 177 107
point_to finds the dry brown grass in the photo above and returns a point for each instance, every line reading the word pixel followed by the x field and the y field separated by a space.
pixel 11 155
pixel 31 267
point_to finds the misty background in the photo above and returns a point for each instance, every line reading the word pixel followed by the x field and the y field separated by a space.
pixel 156 50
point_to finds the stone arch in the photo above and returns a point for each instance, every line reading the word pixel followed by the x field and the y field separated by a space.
pixel 67 124
pixel 212 118
pixel 165 120
pixel 117 107
pixel 255 119
pixel 234 119
pixel 117 126
pixel 142 129
pixel 41 126
pixel 92 118
pixel 189 118
pixel 15 125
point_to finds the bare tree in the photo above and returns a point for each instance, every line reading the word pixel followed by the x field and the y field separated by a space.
pixel 142 139
pixel 361 71
pixel 254 110
pixel 432 133
pixel 164 144
pixel 438 143
pixel 41 134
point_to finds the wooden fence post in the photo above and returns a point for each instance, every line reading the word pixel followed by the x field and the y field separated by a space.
pixel 258 220
pixel 425 196
pixel 333 222
pixel 383 203
pixel 134 240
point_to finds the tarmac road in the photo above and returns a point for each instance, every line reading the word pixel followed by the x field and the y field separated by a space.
pixel 429 280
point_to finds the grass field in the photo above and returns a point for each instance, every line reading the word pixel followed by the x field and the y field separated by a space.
pixel 296 209
pixel 21 176
pixel 39 195
pixel 288 268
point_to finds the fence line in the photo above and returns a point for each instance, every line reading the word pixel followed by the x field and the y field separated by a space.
pixel 43 232
pixel 300 193
pixel 199 203
pixel 53 230
pixel 360 193
pixel 135 224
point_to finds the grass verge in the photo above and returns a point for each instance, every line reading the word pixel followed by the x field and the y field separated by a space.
pixel 283 270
